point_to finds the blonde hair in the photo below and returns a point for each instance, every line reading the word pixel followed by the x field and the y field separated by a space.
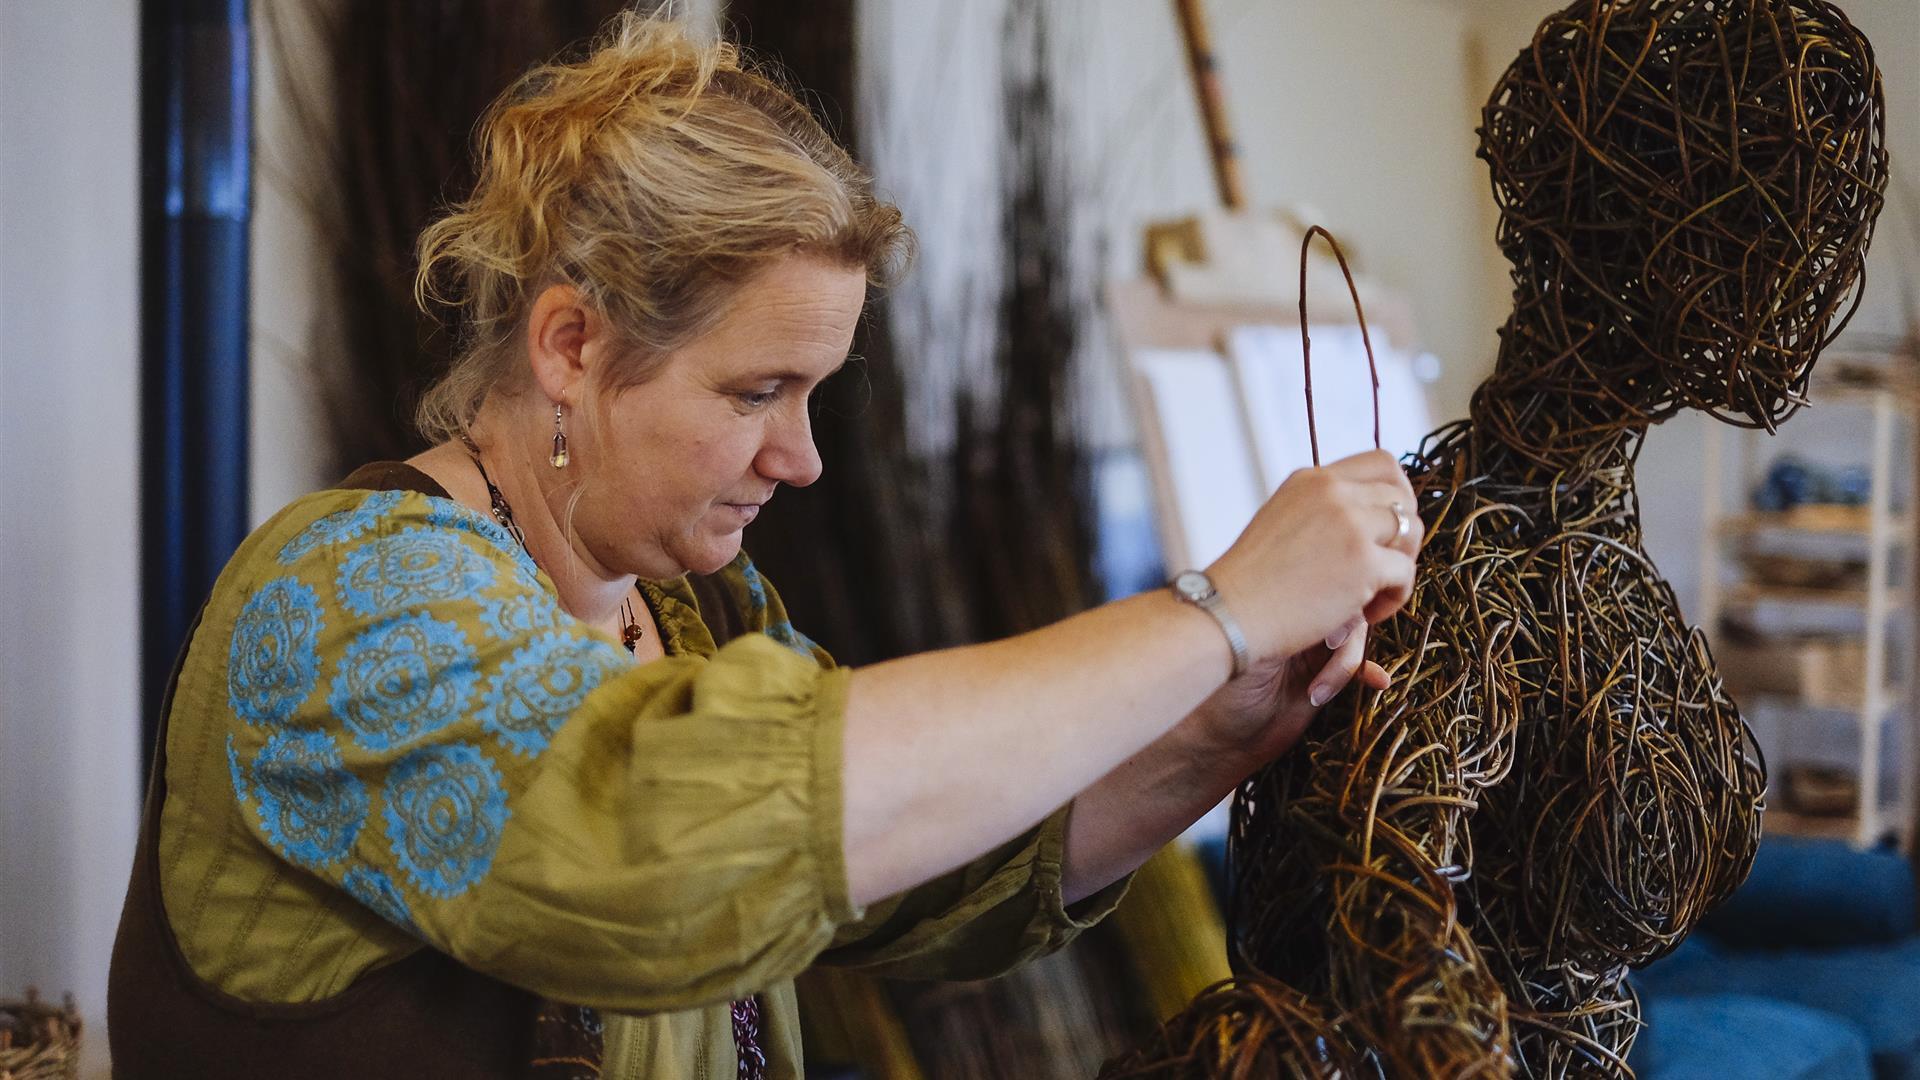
pixel 655 176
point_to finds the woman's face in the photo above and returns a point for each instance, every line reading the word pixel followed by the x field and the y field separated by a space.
pixel 687 458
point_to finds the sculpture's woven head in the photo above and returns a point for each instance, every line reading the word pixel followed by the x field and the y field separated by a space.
pixel 1687 191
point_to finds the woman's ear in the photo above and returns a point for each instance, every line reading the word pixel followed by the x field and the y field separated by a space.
pixel 563 335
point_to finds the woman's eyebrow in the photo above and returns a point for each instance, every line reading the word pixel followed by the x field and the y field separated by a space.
pixel 792 375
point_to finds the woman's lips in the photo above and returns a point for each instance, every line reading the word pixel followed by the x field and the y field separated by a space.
pixel 747 511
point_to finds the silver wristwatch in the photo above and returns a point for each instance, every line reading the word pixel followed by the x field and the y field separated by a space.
pixel 1197 589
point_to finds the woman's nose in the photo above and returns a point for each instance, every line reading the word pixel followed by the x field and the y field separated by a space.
pixel 789 455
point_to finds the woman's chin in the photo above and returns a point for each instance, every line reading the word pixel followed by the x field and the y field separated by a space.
pixel 713 555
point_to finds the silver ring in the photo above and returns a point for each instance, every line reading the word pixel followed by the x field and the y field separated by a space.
pixel 1402 524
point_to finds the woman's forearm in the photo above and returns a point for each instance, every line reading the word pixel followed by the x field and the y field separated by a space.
pixel 950 753
pixel 1154 795
pixel 1146 801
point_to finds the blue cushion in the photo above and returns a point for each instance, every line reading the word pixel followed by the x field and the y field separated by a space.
pixel 1818 892
pixel 1716 1036
pixel 1874 988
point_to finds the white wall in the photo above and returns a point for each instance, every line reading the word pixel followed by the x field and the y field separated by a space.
pixel 69 616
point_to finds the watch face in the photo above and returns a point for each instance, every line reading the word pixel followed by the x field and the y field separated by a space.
pixel 1193 585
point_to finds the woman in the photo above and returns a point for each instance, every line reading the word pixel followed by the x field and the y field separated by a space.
pixel 477 752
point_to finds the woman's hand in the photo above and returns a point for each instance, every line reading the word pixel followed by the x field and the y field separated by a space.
pixel 1330 546
pixel 1260 715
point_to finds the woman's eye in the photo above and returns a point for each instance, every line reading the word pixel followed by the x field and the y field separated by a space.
pixel 757 399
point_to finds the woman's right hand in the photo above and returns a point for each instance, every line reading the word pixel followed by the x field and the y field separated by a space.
pixel 1322 551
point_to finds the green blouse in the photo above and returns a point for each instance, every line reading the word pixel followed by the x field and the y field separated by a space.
pixel 387 735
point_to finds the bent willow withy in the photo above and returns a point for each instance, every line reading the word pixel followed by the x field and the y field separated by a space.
pixel 1453 876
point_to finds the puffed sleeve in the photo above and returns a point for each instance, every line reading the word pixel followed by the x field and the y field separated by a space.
pixel 977 921
pixel 413 719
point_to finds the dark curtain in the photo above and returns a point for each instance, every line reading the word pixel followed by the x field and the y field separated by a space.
pixel 195 204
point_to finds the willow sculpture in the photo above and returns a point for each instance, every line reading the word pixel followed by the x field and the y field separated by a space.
pixel 1452 877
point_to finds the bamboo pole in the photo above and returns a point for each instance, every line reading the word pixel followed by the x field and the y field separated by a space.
pixel 1213 106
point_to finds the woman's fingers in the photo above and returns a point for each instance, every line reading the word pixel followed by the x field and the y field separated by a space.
pixel 1391 489
pixel 1346 664
pixel 1339 637
pixel 1390 516
pixel 1340 667
pixel 1395 570
pixel 1372 465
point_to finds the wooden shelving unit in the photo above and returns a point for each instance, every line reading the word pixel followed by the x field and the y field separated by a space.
pixel 1808 678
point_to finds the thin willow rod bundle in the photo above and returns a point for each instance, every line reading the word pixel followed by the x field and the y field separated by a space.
pixel 1453 876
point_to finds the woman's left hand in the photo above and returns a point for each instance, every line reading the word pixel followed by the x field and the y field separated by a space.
pixel 1262 713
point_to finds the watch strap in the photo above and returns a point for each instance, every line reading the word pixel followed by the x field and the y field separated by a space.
pixel 1236 638
pixel 1211 603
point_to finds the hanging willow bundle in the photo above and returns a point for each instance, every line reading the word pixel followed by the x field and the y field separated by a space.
pixel 1452 877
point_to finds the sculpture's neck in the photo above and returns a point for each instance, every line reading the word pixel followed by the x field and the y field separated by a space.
pixel 1549 412
pixel 1549 433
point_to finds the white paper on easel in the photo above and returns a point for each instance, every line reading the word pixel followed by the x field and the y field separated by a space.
pixel 1210 468
pixel 1272 378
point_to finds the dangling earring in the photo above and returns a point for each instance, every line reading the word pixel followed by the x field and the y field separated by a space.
pixel 559 458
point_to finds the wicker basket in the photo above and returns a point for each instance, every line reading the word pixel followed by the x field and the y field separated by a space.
pixel 39 1041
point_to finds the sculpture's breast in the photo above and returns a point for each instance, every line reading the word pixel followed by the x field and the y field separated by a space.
pixel 1627 746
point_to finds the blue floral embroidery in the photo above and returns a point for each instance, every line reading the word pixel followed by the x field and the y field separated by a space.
pixel 784 633
pixel 756 589
pixel 515 617
pixel 542 685
pixel 341 525
pixel 403 678
pixel 417 566
pixel 273 659
pixel 447 514
pixel 445 812
pixel 235 773
pixel 311 808
pixel 380 895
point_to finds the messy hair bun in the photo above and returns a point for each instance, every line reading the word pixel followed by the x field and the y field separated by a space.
pixel 656 175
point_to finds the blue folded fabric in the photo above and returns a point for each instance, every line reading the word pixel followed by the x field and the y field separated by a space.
pixel 1718 1036
pixel 1817 892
